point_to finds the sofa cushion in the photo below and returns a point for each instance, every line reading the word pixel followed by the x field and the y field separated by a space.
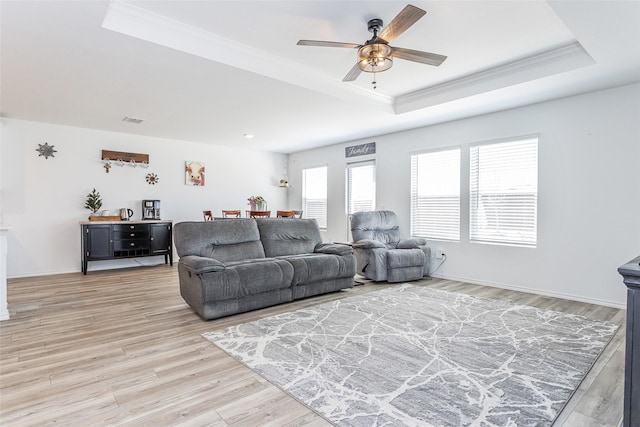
pixel 376 225
pixel 243 278
pixel 288 236
pixel 310 268
pixel 228 240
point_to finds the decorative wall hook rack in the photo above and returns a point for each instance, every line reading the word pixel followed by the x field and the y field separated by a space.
pixel 121 158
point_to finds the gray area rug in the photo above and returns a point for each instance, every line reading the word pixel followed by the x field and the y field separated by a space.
pixel 414 356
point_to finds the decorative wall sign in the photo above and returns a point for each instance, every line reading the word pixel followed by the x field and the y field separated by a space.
pixel 152 178
pixel 46 150
pixel 194 173
pixel 360 150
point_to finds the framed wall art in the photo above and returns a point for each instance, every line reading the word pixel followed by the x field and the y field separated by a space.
pixel 194 173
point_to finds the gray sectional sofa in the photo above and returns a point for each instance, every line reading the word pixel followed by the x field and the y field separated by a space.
pixel 236 265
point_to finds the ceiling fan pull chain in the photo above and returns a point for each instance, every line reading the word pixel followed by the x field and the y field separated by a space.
pixel 374 83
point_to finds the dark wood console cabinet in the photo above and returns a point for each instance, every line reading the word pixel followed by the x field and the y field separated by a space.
pixel 631 275
pixel 125 239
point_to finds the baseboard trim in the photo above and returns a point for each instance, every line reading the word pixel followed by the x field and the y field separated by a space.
pixel 532 291
pixel 46 273
pixel 100 266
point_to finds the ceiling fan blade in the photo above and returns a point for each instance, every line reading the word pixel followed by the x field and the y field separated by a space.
pixel 352 74
pixel 418 56
pixel 403 20
pixel 327 44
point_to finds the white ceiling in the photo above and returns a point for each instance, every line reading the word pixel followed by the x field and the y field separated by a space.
pixel 211 71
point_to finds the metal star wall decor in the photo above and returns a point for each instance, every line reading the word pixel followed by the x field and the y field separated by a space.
pixel 46 150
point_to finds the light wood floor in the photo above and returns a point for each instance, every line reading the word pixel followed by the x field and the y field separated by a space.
pixel 121 347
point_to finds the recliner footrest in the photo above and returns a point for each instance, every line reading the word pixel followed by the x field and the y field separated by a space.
pixel 399 258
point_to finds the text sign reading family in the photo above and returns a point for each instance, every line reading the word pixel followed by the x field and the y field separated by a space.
pixel 360 150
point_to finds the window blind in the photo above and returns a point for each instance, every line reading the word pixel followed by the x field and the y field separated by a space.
pixel 314 194
pixel 361 186
pixel 504 192
pixel 435 195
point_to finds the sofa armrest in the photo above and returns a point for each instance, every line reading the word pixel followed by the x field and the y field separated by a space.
pixel 368 244
pixel 411 243
pixel 333 249
pixel 201 265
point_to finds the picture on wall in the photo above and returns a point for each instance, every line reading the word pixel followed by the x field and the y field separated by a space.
pixel 194 173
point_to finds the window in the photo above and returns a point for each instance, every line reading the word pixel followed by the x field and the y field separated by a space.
pixel 314 194
pixel 435 195
pixel 361 186
pixel 504 192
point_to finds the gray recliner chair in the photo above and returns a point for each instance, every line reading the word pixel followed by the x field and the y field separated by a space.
pixel 381 253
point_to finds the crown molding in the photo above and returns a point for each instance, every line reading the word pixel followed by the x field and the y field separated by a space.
pixel 550 62
pixel 143 24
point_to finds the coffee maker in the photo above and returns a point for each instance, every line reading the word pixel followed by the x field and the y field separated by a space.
pixel 151 209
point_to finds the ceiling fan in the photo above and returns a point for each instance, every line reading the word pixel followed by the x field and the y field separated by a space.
pixel 375 55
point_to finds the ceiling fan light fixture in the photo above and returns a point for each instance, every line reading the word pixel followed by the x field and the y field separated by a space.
pixel 375 58
pixel 375 55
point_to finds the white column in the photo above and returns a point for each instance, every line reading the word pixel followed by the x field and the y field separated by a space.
pixel 4 310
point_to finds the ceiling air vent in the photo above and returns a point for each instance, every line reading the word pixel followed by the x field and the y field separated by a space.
pixel 132 120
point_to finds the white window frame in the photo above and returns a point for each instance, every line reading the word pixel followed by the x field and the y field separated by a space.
pixel 368 167
pixel 503 191
pixel 435 194
pixel 314 194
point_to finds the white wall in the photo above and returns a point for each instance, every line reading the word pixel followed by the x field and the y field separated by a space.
pixel 42 200
pixel 589 193
pixel 588 222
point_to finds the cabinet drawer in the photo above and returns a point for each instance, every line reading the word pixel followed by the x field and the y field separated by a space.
pixel 130 244
pixel 131 227
pixel 130 234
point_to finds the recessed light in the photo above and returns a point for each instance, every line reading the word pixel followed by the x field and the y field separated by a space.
pixel 248 135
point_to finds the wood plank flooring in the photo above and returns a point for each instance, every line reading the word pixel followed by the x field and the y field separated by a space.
pixel 121 347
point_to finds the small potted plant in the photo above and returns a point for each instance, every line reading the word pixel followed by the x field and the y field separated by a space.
pixel 93 202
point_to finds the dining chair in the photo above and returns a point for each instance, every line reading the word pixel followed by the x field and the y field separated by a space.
pixel 208 216
pixel 259 214
pixel 297 214
pixel 230 214
pixel 284 214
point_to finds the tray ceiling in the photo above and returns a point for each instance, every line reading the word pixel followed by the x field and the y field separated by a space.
pixel 211 71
